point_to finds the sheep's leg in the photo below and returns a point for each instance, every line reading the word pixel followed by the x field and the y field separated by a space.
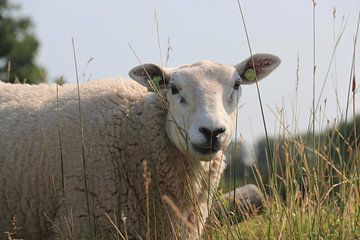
pixel 248 202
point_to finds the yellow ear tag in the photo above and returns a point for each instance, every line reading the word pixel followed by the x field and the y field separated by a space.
pixel 250 74
pixel 155 86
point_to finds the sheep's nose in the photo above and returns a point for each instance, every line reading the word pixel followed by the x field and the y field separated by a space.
pixel 211 134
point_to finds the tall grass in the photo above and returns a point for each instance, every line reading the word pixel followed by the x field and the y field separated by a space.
pixel 86 185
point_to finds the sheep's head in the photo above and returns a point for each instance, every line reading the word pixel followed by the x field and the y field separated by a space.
pixel 203 100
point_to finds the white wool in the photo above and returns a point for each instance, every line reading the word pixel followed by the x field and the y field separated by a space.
pixel 123 127
pixel 131 143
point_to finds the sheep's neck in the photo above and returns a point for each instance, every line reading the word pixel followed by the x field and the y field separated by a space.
pixel 199 180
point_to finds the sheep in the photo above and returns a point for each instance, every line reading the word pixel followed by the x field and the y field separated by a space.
pixel 124 158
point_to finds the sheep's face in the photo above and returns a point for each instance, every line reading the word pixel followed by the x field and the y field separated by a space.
pixel 203 100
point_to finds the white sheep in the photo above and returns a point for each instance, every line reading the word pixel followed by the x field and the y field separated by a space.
pixel 134 164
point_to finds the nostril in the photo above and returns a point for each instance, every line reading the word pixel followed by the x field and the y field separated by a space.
pixel 213 141
pixel 205 131
pixel 218 131
pixel 211 133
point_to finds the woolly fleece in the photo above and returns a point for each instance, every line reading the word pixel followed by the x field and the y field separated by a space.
pixel 131 165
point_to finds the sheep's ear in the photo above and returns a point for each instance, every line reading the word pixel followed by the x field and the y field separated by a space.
pixel 151 76
pixel 264 64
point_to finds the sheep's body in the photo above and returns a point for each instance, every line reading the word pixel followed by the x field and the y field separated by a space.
pixel 145 162
pixel 123 127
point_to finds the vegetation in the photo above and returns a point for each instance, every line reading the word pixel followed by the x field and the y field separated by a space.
pixel 18 47
pixel 311 193
pixel 338 143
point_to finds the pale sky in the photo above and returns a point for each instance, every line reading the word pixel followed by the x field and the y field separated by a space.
pixel 207 30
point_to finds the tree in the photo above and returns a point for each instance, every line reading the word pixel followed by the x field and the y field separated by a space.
pixel 18 47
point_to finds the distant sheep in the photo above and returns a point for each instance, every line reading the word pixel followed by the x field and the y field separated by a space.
pixel 140 164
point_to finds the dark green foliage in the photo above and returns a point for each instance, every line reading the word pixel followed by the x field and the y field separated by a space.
pixel 295 166
pixel 18 47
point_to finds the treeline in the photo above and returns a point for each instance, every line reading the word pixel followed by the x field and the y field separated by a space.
pixel 18 47
pixel 297 163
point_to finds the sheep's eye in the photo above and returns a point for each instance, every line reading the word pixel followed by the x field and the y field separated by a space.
pixel 183 100
pixel 237 85
pixel 174 89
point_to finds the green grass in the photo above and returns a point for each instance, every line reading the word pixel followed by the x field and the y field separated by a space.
pixel 297 222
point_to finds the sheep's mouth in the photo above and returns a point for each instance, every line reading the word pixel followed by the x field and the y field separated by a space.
pixel 207 149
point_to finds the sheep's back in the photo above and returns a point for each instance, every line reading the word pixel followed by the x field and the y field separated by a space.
pixel 32 122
